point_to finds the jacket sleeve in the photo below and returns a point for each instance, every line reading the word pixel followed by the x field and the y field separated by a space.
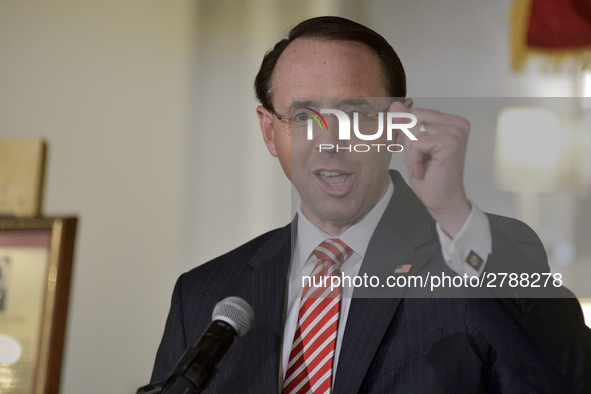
pixel 540 332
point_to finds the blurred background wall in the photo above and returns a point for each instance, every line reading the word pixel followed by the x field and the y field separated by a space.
pixel 148 110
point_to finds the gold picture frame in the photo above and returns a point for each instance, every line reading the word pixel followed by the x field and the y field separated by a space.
pixel 35 271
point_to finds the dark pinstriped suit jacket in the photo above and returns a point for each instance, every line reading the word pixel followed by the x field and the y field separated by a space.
pixel 394 344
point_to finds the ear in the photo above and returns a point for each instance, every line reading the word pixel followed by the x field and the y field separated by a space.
pixel 267 127
pixel 409 103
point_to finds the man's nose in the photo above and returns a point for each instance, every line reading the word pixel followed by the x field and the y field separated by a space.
pixel 328 140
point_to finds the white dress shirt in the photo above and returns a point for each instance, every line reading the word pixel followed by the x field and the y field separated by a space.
pixel 474 236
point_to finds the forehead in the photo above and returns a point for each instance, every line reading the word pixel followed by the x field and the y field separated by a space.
pixel 327 68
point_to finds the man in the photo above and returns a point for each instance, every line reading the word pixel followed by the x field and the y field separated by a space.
pixel 374 224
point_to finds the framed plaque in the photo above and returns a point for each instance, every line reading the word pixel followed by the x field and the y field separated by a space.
pixel 35 271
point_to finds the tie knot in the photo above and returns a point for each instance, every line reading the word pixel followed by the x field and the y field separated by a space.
pixel 333 250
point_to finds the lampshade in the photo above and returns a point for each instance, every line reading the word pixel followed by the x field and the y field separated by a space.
pixel 530 150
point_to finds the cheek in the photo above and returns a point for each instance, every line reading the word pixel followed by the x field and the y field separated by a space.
pixel 295 156
pixel 286 165
pixel 283 147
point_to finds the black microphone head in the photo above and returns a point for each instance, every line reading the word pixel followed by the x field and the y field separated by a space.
pixel 236 312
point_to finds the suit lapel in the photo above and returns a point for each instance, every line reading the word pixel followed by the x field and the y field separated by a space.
pixel 405 226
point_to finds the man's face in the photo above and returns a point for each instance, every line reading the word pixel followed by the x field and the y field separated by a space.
pixel 337 189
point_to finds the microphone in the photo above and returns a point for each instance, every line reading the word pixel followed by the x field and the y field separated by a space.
pixel 232 318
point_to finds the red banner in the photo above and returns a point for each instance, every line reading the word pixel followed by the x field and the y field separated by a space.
pixel 558 29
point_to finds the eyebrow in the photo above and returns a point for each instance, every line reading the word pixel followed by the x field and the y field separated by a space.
pixel 355 101
pixel 297 104
pixel 352 101
pixel 301 103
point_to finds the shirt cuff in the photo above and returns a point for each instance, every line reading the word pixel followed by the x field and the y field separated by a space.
pixel 468 252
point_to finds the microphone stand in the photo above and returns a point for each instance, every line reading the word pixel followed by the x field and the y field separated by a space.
pixel 197 366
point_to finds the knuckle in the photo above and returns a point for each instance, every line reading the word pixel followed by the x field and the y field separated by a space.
pixel 465 125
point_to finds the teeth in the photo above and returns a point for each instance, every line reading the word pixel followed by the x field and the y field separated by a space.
pixel 333 178
pixel 329 173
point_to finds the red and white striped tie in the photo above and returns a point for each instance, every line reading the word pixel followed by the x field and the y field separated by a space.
pixel 312 353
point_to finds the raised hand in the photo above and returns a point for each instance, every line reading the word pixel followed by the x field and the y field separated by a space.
pixel 435 164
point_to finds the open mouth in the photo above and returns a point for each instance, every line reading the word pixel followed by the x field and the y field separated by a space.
pixel 335 183
pixel 333 178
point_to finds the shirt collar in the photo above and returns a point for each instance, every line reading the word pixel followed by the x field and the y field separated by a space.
pixel 357 236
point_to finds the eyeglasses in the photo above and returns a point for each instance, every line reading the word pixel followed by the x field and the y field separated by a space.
pixel 366 121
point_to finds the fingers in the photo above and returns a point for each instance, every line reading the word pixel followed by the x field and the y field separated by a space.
pixel 435 160
pixel 418 154
pixel 440 136
pixel 432 121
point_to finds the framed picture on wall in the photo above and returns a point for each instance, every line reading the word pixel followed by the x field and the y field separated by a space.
pixel 35 270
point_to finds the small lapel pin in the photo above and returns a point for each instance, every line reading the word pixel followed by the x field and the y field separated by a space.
pixel 474 260
pixel 402 269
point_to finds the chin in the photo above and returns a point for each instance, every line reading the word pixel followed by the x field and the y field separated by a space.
pixel 338 215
